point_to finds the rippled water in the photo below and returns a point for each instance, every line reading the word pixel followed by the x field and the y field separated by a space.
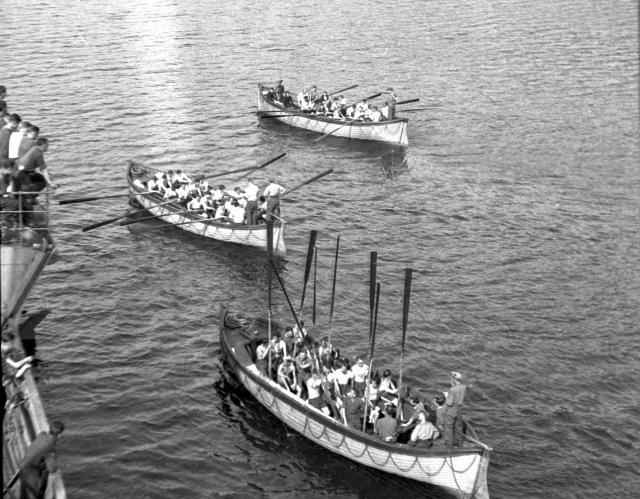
pixel 517 204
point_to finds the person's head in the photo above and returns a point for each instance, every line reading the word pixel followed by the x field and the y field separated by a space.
pixel 414 401
pixel 56 428
pixel 375 383
pixel 386 373
pixel 325 340
pixel 42 143
pixel 440 399
pixel 351 393
pixel 456 377
pixel 33 132
pixel 388 409
pixel 13 120
pixel 390 89
pixel 421 417
pixel 24 125
pixel 359 360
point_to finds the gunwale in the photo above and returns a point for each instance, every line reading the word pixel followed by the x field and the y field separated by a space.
pixel 235 350
pixel 357 130
pixel 244 235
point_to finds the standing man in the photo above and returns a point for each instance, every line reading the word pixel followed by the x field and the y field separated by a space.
pixel 393 98
pixel 273 192
pixel 251 208
pixel 15 139
pixel 38 461
pixel 33 162
pixel 28 140
pixel 13 120
pixel 453 416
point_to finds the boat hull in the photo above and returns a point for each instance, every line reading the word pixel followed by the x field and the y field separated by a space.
pixel 391 131
pixel 246 235
pixel 462 472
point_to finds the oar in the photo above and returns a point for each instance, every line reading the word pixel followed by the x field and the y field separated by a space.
pixel 115 219
pixel 333 131
pixel 405 320
pixel 93 198
pixel 315 285
pixel 272 160
pixel 372 340
pixel 269 279
pixel 373 267
pixel 406 101
pixel 307 268
pixel 313 179
pixel 333 287
pixel 144 219
pixel 343 90
pixel 224 174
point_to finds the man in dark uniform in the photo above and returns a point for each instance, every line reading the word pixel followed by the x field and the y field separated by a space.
pixel 38 461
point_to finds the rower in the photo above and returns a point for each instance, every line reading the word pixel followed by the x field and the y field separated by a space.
pixel 273 192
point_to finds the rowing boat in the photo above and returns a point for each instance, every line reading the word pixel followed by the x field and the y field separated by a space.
pixel 174 214
pixel 461 471
pixel 389 131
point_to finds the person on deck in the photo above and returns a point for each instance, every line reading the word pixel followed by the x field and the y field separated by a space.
pixel 273 192
pixel 3 106
pixel 15 139
pixel 386 427
pixel 28 140
pixel 13 120
pixel 453 427
pixel 38 462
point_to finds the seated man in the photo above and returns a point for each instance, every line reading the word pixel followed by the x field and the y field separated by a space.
pixel 287 100
pixel 195 205
pixel 287 376
pixel 424 433
pixel 221 213
pixel 314 388
pixel 386 427
pixel 236 212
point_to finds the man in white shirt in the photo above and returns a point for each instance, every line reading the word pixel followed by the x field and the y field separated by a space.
pixel 251 208
pixel 15 139
pixel 236 213
pixel 273 192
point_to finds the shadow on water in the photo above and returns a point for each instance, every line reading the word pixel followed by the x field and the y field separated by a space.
pixel 336 474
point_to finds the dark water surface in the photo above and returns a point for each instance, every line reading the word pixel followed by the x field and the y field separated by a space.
pixel 517 204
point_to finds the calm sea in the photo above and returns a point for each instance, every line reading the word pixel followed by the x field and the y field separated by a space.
pixel 517 205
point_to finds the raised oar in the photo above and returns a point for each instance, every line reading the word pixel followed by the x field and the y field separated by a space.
pixel 315 285
pixel 405 320
pixel 269 279
pixel 272 160
pixel 373 267
pixel 248 168
pixel 333 287
pixel 343 90
pixel 307 268
pixel 115 219
pixel 313 179
pixel 372 345
pixel 93 198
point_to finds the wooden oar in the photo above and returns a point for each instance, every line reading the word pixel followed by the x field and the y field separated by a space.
pixel 372 341
pixel 343 90
pixel 224 174
pixel 315 285
pixel 406 101
pixel 115 219
pixel 307 268
pixel 373 267
pixel 405 318
pixel 272 160
pixel 313 179
pixel 333 287
pixel 93 198
pixel 144 219
pixel 269 279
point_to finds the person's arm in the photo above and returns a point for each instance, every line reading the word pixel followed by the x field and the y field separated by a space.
pixel 19 363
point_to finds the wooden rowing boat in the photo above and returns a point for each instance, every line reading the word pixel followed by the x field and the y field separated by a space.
pixel 25 250
pixel 389 131
pixel 461 471
pixel 173 213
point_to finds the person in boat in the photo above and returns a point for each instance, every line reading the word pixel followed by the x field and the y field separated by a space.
pixel 302 96
pixel 352 410
pixel 361 110
pixel 279 91
pixel 29 140
pixel 262 210
pixel 287 377
pixel 343 377
pixel 388 389
pixel 303 367
pixel 287 100
pixel 326 353
pixel 152 185
pixel 393 98
pixel 416 407
pixel 299 332
pixel 17 367
pixel 314 391
pixel 179 178
pixel 251 207
pixel 278 352
pixel 221 214
pixel 328 393
pixel 273 192
pixel 39 461
pixel 236 213
pixel 424 432
pixel 313 95
pixel 262 356
pixel 195 205
pixel 360 372
pixel 386 427
pixel 338 112
pixel 375 116
pixel 454 401
pixel 372 396
pixel 439 408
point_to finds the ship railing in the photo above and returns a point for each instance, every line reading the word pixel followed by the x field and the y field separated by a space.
pixel 28 222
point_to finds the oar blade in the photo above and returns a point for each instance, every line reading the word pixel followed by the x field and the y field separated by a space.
pixel 333 286
pixel 307 270
pixel 408 101
pixel 88 199
pixel 405 303
pixel 306 182
pixel 104 222
pixel 344 89
pixel 373 270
